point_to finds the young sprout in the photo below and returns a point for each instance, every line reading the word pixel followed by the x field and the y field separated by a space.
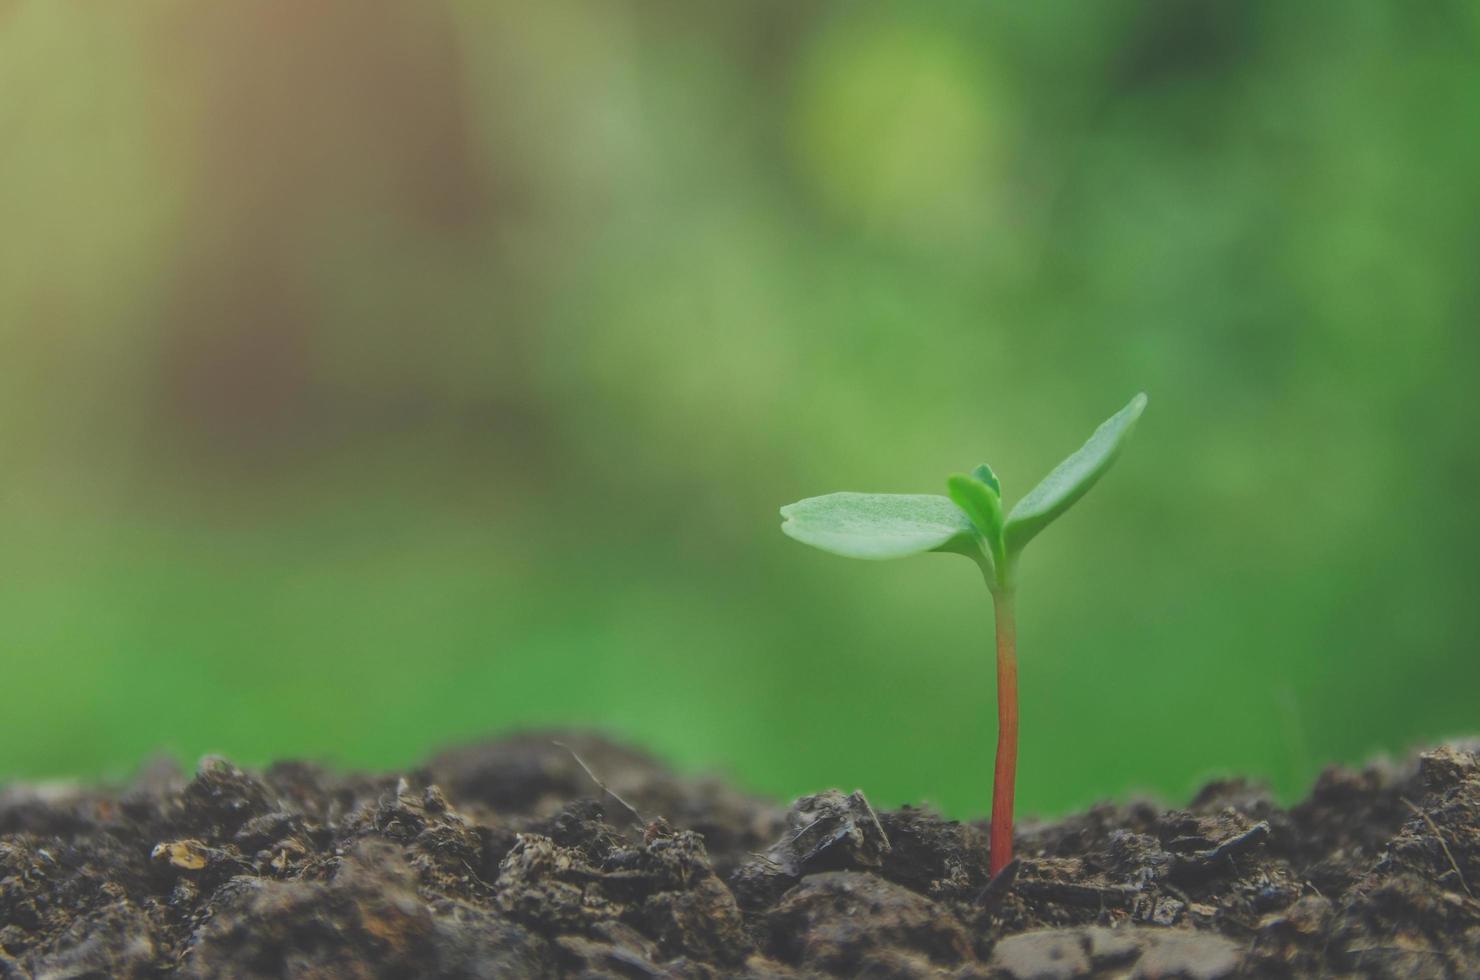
pixel 969 522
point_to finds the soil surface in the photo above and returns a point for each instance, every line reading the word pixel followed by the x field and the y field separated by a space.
pixel 507 860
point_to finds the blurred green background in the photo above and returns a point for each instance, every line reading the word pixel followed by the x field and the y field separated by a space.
pixel 379 375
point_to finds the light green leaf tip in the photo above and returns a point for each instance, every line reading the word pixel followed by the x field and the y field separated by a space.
pixel 878 526
pixel 1072 478
pixel 982 504
pixel 984 473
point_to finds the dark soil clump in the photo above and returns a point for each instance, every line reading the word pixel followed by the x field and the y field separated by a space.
pixel 506 860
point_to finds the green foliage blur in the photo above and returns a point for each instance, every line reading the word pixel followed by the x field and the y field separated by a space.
pixel 376 376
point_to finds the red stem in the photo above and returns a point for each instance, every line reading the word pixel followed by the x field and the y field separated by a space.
pixel 1004 775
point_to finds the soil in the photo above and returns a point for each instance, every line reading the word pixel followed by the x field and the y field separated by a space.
pixel 507 860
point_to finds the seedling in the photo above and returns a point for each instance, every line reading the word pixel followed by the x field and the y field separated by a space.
pixel 969 522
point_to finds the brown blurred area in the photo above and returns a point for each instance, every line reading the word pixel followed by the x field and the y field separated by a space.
pixel 290 115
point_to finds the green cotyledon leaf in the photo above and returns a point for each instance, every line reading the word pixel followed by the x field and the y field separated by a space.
pixel 879 526
pixel 1072 478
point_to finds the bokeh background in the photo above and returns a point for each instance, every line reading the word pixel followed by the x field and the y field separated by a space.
pixel 376 375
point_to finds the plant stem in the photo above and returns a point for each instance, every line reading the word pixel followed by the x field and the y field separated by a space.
pixel 1004 775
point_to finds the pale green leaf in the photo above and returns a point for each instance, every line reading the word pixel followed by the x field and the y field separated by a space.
pixel 878 525
pixel 1072 478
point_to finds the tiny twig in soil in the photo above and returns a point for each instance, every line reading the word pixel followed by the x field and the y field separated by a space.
pixel 1177 893
pixel 597 780
pixel 798 835
pixel 1203 862
pixel 1000 885
pixel 1442 843
pixel 1081 896
pixel 476 876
